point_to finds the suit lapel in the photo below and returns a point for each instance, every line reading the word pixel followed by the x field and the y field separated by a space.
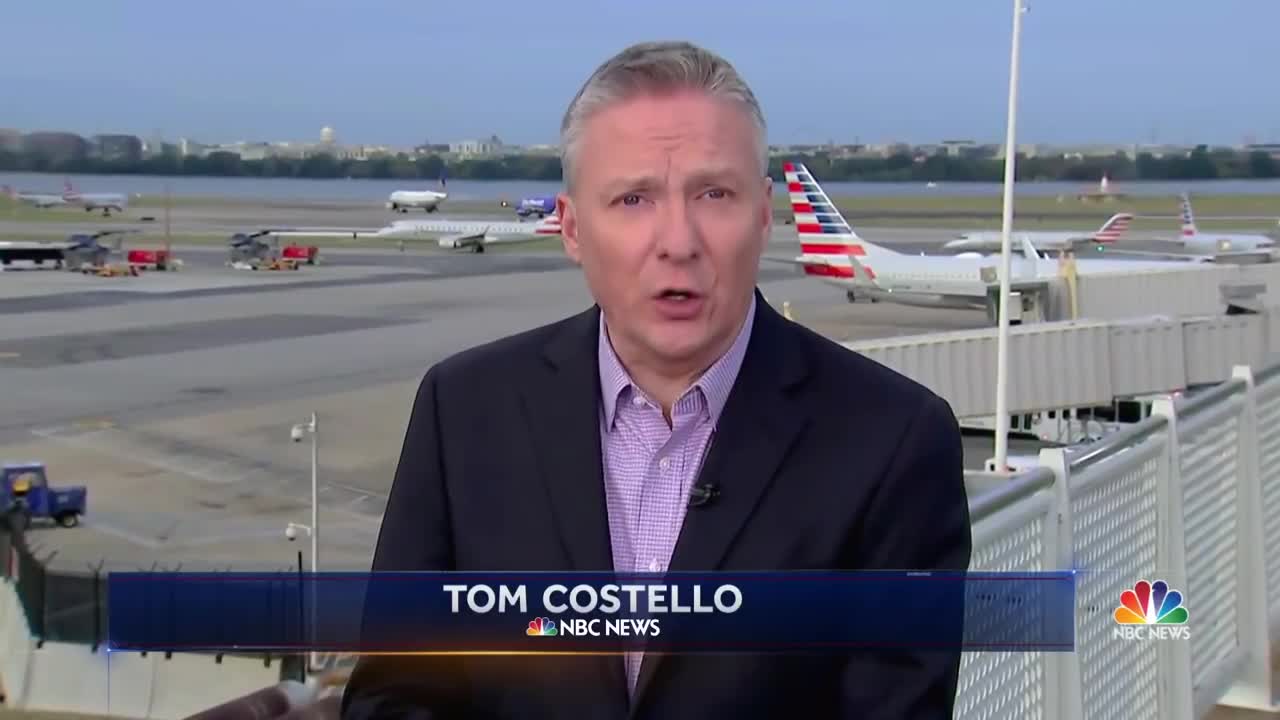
pixel 760 423
pixel 561 406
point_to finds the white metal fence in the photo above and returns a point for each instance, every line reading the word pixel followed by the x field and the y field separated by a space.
pixel 1190 496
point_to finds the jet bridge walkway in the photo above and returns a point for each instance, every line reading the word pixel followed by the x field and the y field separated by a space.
pixel 1078 364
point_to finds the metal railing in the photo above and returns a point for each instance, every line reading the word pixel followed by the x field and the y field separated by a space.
pixel 1190 496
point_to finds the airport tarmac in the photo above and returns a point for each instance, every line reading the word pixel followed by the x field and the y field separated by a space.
pixel 229 218
pixel 171 395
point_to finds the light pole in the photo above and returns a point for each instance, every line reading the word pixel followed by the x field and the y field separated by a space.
pixel 296 433
pixel 1002 339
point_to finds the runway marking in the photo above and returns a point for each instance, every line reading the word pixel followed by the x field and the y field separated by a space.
pixel 123 534
pixel 359 491
pixel 90 439
pixel 85 439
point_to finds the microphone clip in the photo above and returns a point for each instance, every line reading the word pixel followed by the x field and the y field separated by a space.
pixel 704 494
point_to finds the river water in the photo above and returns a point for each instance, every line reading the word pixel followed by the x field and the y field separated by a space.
pixel 277 189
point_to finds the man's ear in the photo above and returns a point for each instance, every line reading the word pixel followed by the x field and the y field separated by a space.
pixel 767 230
pixel 568 226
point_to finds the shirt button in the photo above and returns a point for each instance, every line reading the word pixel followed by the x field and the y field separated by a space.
pixel 637 401
pixel 664 463
pixel 655 566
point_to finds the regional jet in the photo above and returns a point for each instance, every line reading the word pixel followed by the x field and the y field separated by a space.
pixel 427 200
pixel 40 200
pixel 106 202
pixel 473 235
pixel 1110 232
pixel 834 253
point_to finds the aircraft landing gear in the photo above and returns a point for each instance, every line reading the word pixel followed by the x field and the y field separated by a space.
pixel 850 296
pixel 479 249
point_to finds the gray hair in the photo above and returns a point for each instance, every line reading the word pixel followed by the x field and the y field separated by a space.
pixel 658 67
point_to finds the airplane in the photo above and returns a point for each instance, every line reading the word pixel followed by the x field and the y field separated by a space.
pixel 428 200
pixel 1111 231
pixel 40 200
pixel 106 202
pixel 541 206
pixel 472 235
pixel 1217 243
pixel 835 254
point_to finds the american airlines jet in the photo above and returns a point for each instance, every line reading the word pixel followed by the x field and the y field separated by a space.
pixel 1111 231
pixel 834 253
pixel 1215 243
pixel 106 202
pixel 40 200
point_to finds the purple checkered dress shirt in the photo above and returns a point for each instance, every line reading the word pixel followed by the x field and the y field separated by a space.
pixel 649 466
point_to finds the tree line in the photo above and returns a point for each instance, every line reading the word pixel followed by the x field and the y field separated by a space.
pixel 1198 164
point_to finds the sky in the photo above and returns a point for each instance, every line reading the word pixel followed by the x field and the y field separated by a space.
pixel 402 72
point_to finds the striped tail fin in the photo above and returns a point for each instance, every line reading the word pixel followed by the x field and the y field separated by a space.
pixel 1114 228
pixel 549 225
pixel 1188 219
pixel 820 226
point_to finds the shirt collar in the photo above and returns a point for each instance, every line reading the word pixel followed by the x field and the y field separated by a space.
pixel 715 384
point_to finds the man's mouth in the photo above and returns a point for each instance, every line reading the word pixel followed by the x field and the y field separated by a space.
pixel 678 294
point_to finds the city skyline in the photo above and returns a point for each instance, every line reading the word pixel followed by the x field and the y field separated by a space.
pixel 388 73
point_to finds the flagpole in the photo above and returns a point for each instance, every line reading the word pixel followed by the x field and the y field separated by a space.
pixel 1002 342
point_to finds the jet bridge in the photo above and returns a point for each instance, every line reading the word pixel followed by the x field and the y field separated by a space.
pixel 1077 364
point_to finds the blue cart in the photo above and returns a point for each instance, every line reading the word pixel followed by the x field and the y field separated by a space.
pixel 25 490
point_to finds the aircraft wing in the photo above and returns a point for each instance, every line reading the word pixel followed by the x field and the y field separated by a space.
pixel 1157 255
pixel 320 232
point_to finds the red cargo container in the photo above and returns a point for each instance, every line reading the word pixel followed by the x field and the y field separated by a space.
pixel 157 259
pixel 302 253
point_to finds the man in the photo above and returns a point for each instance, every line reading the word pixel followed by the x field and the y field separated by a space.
pixel 575 446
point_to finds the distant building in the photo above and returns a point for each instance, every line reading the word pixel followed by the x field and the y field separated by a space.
pixel 431 149
pixel 58 146
pixel 10 140
pixel 492 146
pixel 1272 149
pixel 116 148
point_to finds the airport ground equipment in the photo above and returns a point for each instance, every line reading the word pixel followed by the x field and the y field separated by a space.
pixel 92 250
pixel 25 489
pixel 245 247
pixel 307 254
pixel 147 258
pixel 111 270
pixel 35 252
pixel 270 264
pixel 253 247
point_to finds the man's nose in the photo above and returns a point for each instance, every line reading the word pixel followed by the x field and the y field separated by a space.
pixel 678 236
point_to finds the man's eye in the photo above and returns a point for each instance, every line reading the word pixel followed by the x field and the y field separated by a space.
pixel 716 194
pixel 630 199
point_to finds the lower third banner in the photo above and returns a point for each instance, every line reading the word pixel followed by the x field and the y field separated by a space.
pixel 454 612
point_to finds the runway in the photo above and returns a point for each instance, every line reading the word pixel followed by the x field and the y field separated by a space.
pixel 171 394
pixel 231 217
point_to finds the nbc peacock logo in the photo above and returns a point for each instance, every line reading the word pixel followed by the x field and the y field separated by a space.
pixel 1150 610
pixel 542 626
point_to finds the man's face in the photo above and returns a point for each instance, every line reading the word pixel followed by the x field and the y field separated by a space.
pixel 668 217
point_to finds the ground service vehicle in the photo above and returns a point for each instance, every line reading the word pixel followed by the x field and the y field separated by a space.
pixel 25 490
pixel 148 258
pixel 308 254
